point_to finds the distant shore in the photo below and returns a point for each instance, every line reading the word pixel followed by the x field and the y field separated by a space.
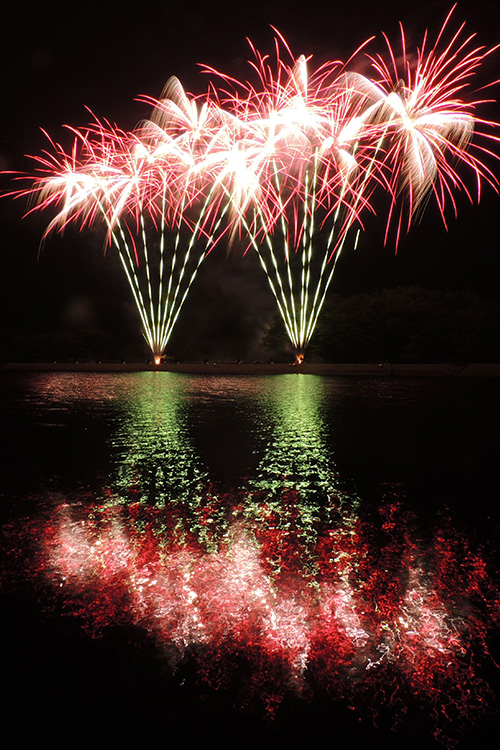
pixel 382 369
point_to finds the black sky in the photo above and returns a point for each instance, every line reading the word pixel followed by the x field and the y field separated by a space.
pixel 58 58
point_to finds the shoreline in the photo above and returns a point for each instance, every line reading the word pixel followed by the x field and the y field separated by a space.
pixel 227 368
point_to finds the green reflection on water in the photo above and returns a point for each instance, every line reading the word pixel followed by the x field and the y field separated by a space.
pixel 293 492
pixel 156 460
pixel 295 452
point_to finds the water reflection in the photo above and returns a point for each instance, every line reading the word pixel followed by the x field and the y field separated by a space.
pixel 370 615
pixel 287 573
pixel 153 452
pixel 292 441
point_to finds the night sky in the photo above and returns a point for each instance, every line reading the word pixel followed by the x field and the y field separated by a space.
pixel 58 59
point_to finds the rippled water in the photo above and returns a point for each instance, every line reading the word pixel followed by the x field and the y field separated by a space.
pixel 262 558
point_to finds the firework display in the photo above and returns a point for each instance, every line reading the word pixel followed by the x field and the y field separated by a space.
pixel 287 167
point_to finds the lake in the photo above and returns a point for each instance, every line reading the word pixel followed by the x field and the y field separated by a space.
pixel 254 559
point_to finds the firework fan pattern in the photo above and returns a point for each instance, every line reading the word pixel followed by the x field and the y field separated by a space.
pixel 286 167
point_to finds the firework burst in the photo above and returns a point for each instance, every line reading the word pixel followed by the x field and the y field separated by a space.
pixel 427 112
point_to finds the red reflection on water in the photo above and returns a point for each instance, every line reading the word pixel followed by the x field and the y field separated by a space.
pixel 359 609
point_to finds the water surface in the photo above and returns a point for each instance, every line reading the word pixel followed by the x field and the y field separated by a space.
pixel 266 557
